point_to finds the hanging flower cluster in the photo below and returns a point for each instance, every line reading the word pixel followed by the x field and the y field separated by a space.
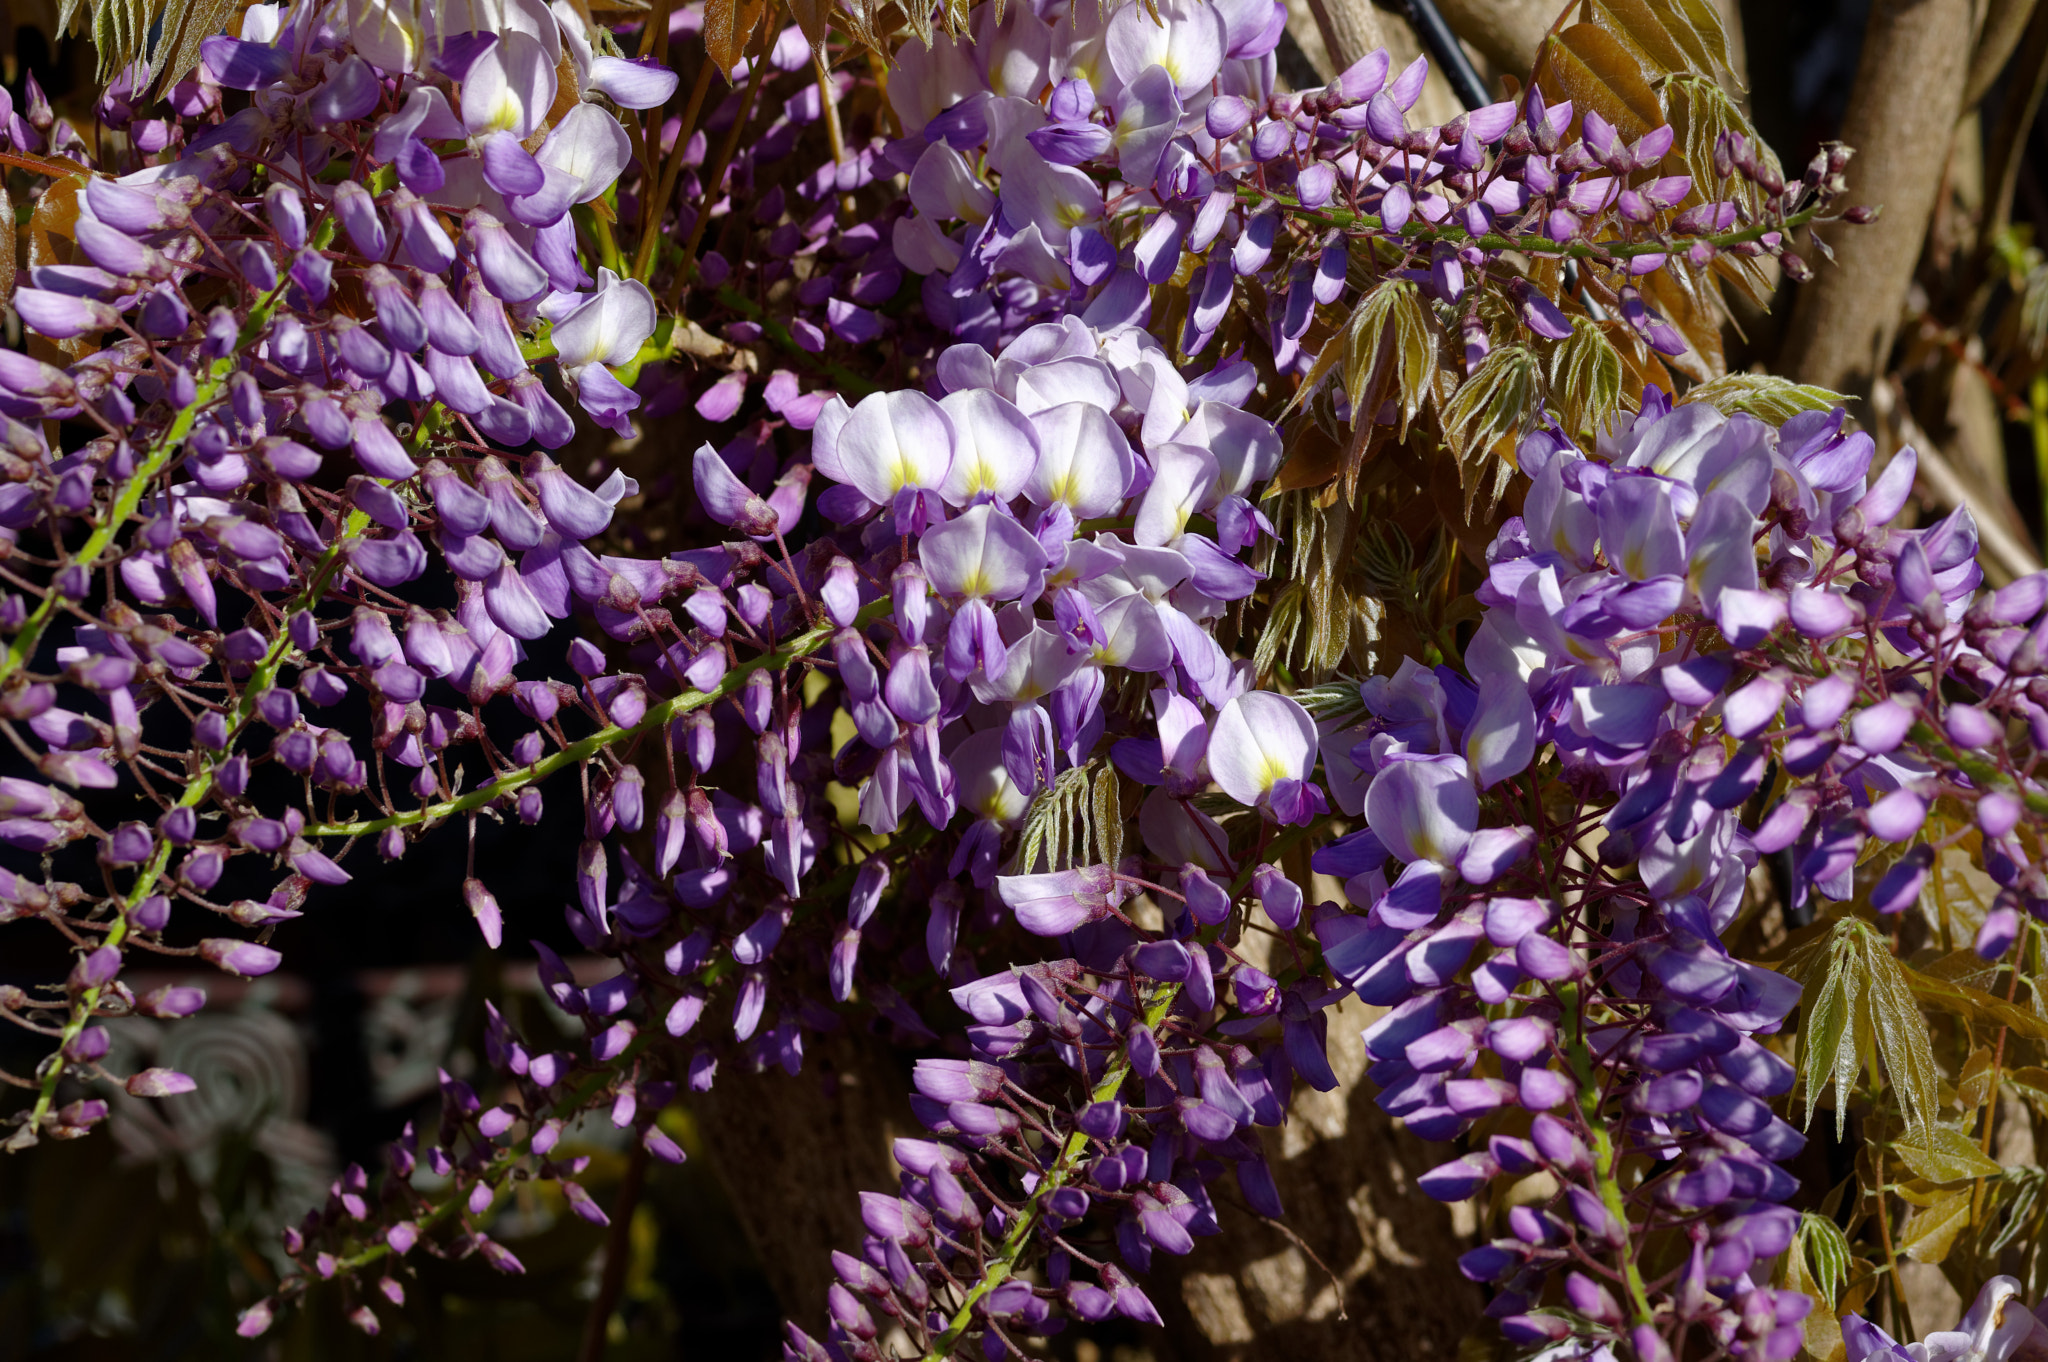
pixel 1580 1010
pixel 263 294
pixel 1163 138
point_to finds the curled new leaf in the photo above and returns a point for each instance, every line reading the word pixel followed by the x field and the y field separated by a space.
pixel 1059 828
pixel 1585 378
pixel 1764 396
pixel 1387 335
pixel 1824 1251
pixel 1501 400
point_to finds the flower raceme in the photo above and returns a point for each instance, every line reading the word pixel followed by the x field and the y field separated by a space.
pixel 1163 135
pixel 1498 963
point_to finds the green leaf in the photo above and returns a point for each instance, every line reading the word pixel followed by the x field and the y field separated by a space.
pixel 1949 1156
pixel 1389 352
pixel 1824 1250
pixel 1903 1040
pixel 1858 1011
pixel 1585 378
pixel 1764 396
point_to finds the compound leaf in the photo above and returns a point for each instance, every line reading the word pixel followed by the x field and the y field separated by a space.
pixel 1595 70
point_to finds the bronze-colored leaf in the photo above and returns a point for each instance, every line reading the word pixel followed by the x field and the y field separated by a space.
pixel 568 94
pixel 51 231
pixel 1640 366
pixel 1948 1157
pixel 728 24
pixel 814 17
pixel 1636 24
pixel 1932 1232
pixel 1591 67
pixel 1674 293
pixel 1314 456
pixel 1327 359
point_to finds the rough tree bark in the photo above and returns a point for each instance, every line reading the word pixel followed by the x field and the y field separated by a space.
pixel 1350 29
pixel 795 1153
pixel 1901 117
pixel 1506 32
pixel 1346 1174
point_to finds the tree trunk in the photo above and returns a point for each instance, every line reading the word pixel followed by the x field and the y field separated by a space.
pixel 1901 118
pixel 1505 32
pixel 1350 29
pixel 795 1153
pixel 1346 1175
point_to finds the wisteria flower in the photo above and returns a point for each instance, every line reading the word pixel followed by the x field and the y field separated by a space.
pixel 1262 751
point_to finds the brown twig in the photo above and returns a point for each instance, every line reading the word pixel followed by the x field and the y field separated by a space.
pixel 1902 116
pixel 719 167
pixel 657 202
pixel 618 1250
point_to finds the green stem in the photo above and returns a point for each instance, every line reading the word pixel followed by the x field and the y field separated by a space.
pixel 25 642
pixel 1606 1158
pixel 1004 1264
